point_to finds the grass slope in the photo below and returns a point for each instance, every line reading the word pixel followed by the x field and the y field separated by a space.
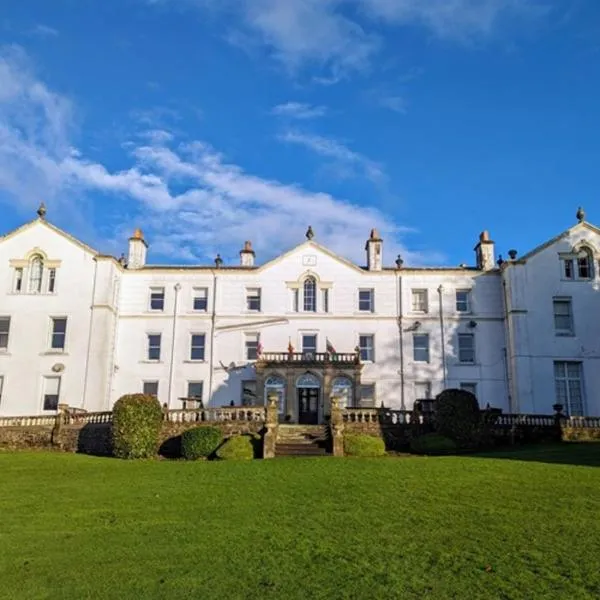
pixel 521 526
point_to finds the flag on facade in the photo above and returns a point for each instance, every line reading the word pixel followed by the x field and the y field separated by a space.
pixel 329 346
pixel 290 347
pixel 259 349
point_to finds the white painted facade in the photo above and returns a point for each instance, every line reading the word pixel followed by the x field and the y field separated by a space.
pixel 488 326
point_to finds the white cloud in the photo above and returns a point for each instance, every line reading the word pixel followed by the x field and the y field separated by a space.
pixel 44 30
pixel 331 148
pixel 393 102
pixel 298 110
pixel 341 35
pixel 192 202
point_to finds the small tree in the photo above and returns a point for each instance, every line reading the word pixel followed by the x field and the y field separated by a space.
pixel 137 420
pixel 457 416
pixel 200 442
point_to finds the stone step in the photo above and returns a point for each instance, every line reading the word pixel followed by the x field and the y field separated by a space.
pixel 299 450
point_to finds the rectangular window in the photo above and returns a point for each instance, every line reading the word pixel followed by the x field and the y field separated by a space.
pixel 253 299
pixel 325 294
pixel 366 300
pixel 195 390
pixel 51 280
pixel 249 393
pixel 59 333
pixel 367 395
pixel 252 341
pixel 51 393
pixel 569 387
pixel 366 343
pixel 295 300
pixel 567 268
pixel 563 316
pixel 309 345
pixel 154 340
pixel 423 390
pixel 421 347
pixel 157 298
pixel 463 301
pixel 18 280
pixel 584 267
pixel 419 301
pixel 150 388
pixel 469 387
pixel 4 332
pixel 197 345
pixel 201 299
pixel 466 348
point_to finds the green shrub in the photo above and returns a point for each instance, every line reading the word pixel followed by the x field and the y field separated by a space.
pixel 458 417
pixel 200 442
pixel 363 445
pixel 239 447
pixel 137 420
pixel 432 443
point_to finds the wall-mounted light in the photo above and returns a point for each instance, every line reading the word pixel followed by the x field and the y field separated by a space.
pixel 472 324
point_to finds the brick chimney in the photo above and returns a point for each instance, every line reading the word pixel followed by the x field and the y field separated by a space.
pixel 374 248
pixel 484 252
pixel 138 249
pixel 247 255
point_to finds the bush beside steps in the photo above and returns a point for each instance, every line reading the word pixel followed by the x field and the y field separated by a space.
pixel 137 420
pixel 200 442
pixel 363 445
pixel 239 447
pixel 433 444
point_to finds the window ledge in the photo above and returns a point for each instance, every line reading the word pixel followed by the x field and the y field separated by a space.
pixel 565 334
pixel 195 361
pixel 151 362
pixel 54 353
pixel 4 352
pixel 467 364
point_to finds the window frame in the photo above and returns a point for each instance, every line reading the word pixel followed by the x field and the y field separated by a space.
pixel 18 278
pixel 197 398
pixel 200 295
pixel 467 301
pixel 243 388
pixel 51 284
pixel 418 348
pixel 150 346
pixel 45 395
pixel 370 300
pixel 6 332
pixel 54 334
pixel 567 404
pixel 36 259
pixel 312 304
pixel 197 334
pixel 325 299
pixel 365 349
pixel 157 293
pixel 256 297
pixel 464 336
pixel 309 354
pixel 565 301
pixel 415 292
pixel 248 346
pixel 469 386
pixel 373 396
pixel 154 382
pixel 428 386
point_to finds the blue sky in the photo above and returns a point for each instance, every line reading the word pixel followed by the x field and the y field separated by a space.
pixel 208 122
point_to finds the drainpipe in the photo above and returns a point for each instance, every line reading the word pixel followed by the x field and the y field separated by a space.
pixel 442 336
pixel 115 335
pixel 508 340
pixel 89 341
pixel 176 287
pixel 213 318
pixel 400 339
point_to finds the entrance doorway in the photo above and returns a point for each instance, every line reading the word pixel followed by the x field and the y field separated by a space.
pixel 308 388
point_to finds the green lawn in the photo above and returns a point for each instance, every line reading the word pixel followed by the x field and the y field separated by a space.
pixel 515 526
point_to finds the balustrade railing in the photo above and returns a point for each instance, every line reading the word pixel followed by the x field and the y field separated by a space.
pixel 311 357
pixel 28 421
pixel 196 415
pixel 387 416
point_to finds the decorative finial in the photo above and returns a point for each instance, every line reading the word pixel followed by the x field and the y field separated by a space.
pixel 500 260
pixel 399 261
pixel 374 235
pixel 122 260
pixel 310 234
pixel 580 215
pixel 138 235
pixel 218 261
pixel 512 254
pixel 41 211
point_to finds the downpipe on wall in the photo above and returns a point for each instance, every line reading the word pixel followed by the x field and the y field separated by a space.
pixel 442 334
pixel 176 287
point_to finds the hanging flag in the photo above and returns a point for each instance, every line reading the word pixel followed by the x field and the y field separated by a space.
pixel 290 347
pixel 259 348
pixel 329 346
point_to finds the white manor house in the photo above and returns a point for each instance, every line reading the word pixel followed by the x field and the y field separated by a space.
pixel 81 328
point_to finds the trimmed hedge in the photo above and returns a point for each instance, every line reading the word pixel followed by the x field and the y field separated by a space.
pixel 432 443
pixel 239 447
pixel 200 442
pixel 458 417
pixel 137 420
pixel 363 445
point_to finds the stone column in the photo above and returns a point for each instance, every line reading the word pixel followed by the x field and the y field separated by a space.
pixel 272 418
pixel 337 427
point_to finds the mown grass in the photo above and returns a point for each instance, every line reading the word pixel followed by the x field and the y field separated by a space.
pixel 450 527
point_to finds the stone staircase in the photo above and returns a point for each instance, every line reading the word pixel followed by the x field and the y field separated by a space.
pixel 302 440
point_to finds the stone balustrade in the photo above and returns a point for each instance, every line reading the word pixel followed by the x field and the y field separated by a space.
pixel 28 421
pixel 194 415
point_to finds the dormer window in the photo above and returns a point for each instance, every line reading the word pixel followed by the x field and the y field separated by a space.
pixel 578 266
pixel 36 272
pixel 584 266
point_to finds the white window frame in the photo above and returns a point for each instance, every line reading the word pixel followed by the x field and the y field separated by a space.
pixel 304 334
pixel 373 396
pixel 422 384
pixel 248 345
pixel 365 348
pixel 5 332
pixel 573 262
pixel 369 301
pixel 193 346
pixel 51 284
pixel 417 348
pixel 325 299
pixel 416 307
pixel 463 306
pixel 469 386
pixel 53 321
pixel 45 381
pixel 200 294
pixel 151 382
pixel 565 378
pixel 244 386
pixel 192 382
pixel 157 293
pixel 313 306
pixel 463 336
pixel 277 384
pixel 254 294
pixel 18 279
pixel 35 286
pixel 568 302
pixel 149 346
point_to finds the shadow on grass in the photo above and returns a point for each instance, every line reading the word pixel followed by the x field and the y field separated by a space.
pixel 567 453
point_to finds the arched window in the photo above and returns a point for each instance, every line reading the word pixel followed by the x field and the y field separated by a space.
pixel 308 380
pixel 310 294
pixel 36 271
pixel 342 387
pixel 585 264
pixel 276 384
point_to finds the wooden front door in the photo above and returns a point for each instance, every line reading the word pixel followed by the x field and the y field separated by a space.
pixel 308 406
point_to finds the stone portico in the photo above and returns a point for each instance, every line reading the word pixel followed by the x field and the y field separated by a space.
pixel 305 381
